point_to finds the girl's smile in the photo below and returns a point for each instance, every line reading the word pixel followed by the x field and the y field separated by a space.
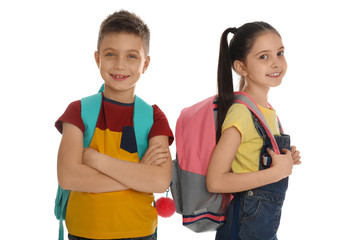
pixel 277 74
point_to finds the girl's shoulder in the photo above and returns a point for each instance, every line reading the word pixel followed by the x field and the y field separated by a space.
pixel 239 116
pixel 237 111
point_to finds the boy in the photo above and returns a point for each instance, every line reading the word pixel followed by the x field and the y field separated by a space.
pixel 111 189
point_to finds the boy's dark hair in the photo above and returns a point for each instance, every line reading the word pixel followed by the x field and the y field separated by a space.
pixel 240 45
pixel 124 21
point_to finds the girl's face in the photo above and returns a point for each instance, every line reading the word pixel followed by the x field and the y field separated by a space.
pixel 265 65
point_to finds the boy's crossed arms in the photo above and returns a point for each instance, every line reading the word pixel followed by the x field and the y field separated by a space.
pixel 87 170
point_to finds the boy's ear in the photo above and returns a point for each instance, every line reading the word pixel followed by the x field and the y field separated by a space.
pixel 239 67
pixel 146 64
pixel 97 58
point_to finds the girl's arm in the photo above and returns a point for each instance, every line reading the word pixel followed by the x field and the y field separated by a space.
pixel 219 178
pixel 72 173
pixel 152 174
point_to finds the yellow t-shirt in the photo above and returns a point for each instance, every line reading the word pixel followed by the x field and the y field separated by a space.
pixel 248 153
pixel 120 214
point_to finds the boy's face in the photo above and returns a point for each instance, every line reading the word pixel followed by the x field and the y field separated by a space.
pixel 121 60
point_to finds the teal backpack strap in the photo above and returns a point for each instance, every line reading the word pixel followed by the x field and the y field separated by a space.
pixel 143 121
pixel 90 108
pixel 60 208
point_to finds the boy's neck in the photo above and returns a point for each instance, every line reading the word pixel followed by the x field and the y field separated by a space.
pixel 119 96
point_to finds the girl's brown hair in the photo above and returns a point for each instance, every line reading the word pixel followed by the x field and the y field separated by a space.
pixel 240 45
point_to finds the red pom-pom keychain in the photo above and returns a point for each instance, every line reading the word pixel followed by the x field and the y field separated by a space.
pixel 165 206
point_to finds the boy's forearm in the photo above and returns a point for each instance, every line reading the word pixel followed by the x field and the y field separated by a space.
pixel 137 176
pixel 142 177
pixel 82 178
pixel 72 174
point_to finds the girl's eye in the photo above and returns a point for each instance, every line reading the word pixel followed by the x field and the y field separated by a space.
pixel 263 56
pixel 281 53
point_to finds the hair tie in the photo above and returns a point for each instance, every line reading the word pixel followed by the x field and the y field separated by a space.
pixel 233 30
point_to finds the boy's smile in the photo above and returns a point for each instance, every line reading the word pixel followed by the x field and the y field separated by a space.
pixel 119 77
pixel 121 60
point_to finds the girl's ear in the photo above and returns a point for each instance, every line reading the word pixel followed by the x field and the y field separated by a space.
pixel 239 67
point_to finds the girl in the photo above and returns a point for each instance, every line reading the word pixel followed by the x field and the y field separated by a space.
pixel 256 53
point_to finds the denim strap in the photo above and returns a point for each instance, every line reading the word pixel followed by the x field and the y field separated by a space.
pixel 234 235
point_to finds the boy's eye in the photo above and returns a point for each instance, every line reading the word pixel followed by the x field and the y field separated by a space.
pixel 281 53
pixel 109 54
pixel 132 57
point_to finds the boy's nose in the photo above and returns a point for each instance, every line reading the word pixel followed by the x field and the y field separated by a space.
pixel 119 64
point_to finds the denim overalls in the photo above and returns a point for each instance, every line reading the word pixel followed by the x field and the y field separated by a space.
pixel 255 214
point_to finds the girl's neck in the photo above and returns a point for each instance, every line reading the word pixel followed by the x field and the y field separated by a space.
pixel 260 96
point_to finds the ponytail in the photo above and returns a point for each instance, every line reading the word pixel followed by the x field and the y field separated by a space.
pixel 225 81
pixel 225 93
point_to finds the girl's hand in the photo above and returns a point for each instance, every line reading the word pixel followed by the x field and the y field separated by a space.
pixel 155 155
pixel 90 157
pixel 283 163
pixel 295 155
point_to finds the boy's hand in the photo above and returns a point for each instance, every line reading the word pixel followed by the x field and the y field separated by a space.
pixel 295 155
pixel 282 162
pixel 155 155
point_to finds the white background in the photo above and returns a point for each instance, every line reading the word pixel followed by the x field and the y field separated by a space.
pixel 47 61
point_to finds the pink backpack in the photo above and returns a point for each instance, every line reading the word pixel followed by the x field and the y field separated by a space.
pixel 195 141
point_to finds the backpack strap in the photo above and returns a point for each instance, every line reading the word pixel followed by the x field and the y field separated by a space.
pixel 60 208
pixel 143 120
pixel 243 98
pixel 90 108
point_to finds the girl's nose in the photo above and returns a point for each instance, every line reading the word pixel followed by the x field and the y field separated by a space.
pixel 275 63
